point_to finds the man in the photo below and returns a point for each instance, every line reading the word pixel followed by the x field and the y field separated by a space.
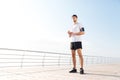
pixel 76 44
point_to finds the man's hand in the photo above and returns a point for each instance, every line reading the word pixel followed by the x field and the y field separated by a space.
pixel 70 33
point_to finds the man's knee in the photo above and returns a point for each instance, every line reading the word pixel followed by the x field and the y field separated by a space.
pixel 73 53
pixel 79 52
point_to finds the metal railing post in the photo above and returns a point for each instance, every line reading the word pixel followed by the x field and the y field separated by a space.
pixel 22 59
pixel 91 59
pixel 59 60
pixel 43 60
pixel 86 60
pixel 70 60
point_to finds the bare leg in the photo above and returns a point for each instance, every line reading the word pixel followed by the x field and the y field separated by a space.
pixel 79 51
pixel 73 58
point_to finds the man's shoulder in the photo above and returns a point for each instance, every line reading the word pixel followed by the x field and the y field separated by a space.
pixel 79 24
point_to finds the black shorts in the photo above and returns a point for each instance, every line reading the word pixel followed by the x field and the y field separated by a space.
pixel 75 45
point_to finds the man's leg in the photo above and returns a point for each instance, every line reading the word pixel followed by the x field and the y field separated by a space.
pixel 79 51
pixel 73 58
pixel 74 70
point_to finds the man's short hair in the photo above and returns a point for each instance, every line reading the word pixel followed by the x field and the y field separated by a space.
pixel 74 15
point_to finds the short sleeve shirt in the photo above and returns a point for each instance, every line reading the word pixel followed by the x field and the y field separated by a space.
pixel 76 28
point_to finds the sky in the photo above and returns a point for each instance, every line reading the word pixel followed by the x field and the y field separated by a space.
pixel 43 24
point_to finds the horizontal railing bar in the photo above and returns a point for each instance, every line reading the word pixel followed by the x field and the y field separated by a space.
pixel 10 62
pixel 44 52
pixel 30 66
pixel 29 58
pixel 45 65
pixel 52 56
pixel 32 51
pixel 95 56
pixel 12 54
pixel 8 66
pixel 33 62
pixel 28 55
pixel 56 56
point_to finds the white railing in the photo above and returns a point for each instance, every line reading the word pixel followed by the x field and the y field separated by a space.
pixel 28 58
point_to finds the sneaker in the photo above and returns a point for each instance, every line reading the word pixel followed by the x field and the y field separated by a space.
pixel 73 70
pixel 81 71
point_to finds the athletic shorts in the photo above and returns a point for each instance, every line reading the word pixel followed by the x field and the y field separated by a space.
pixel 75 45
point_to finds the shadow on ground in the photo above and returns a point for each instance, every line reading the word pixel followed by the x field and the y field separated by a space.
pixel 100 74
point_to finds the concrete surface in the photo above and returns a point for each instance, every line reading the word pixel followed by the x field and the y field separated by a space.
pixel 92 72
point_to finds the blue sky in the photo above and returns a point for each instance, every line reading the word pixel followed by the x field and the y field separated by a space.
pixel 42 25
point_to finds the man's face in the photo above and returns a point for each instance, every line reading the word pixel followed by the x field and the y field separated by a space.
pixel 74 19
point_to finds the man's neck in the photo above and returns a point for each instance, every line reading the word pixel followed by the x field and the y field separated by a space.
pixel 75 22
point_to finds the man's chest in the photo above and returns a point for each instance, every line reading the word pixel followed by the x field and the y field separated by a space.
pixel 75 28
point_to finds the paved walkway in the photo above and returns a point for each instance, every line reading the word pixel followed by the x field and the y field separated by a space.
pixel 93 72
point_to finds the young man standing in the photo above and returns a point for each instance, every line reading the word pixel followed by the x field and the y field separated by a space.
pixel 76 44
